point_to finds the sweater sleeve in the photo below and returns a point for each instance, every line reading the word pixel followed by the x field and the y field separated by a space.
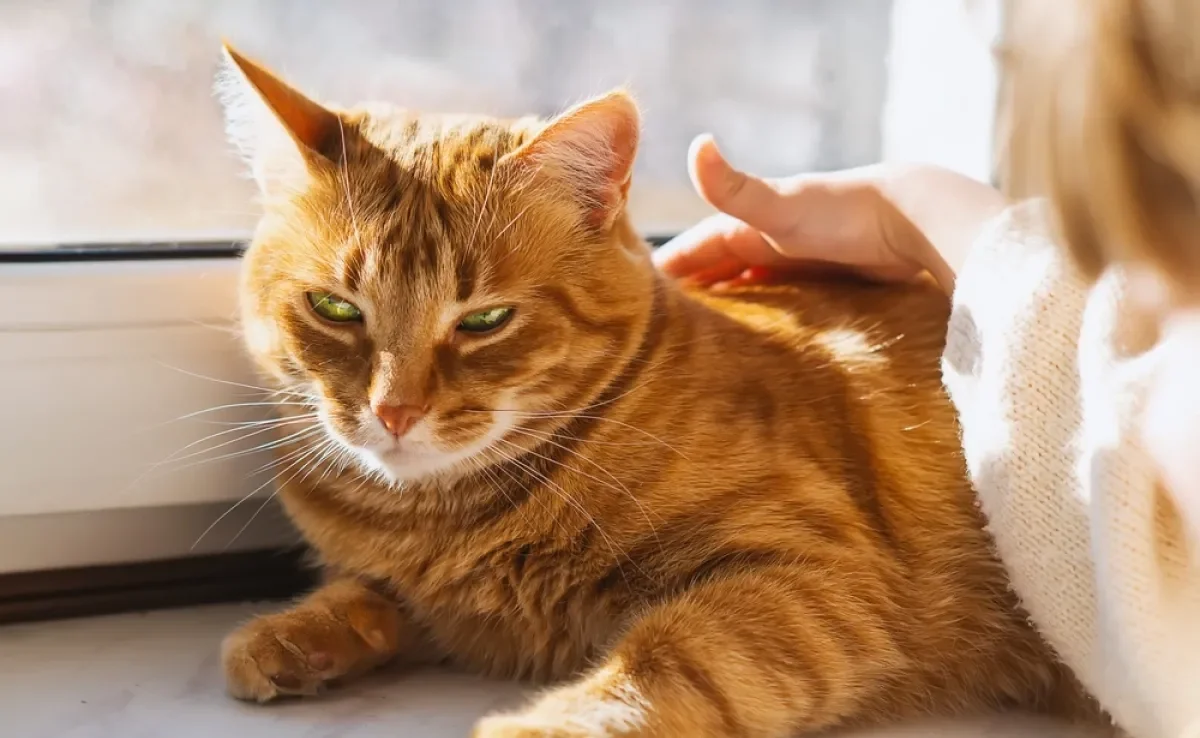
pixel 1050 405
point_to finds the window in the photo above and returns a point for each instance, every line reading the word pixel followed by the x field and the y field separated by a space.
pixel 113 155
pixel 119 137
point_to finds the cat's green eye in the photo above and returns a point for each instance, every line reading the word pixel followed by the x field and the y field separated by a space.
pixel 333 308
pixel 485 320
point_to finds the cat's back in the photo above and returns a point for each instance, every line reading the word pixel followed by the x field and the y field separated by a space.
pixel 857 325
pixel 824 405
pixel 828 436
pixel 838 364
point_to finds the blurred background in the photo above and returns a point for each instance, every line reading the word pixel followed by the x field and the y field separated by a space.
pixel 110 133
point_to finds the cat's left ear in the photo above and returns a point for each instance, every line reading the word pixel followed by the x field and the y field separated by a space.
pixel 279 131
pixel 590 149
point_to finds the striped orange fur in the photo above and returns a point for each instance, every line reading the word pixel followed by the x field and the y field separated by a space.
pixel 738 513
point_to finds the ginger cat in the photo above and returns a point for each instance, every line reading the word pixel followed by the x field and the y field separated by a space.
pixel 518 449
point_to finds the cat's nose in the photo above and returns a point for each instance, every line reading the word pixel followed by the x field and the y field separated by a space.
pixel 399 419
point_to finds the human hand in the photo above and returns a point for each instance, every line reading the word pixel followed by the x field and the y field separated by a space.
pixel 885 222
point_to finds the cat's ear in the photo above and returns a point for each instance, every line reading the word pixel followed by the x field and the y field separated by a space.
pixel 590 149
pixel 279 131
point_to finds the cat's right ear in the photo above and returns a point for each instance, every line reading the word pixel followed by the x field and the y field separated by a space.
pixel 280 132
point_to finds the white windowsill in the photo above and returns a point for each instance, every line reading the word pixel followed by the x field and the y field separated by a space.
pixel 100 363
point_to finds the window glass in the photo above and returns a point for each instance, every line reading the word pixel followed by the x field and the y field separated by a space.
pixel 110 132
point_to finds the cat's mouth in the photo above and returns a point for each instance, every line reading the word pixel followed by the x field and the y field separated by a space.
pixel 401 454
pixel 407 458
pixel 419 454
pixel 413 463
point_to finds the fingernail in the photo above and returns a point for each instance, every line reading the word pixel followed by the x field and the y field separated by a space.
pixel 700 141
pixel 711 140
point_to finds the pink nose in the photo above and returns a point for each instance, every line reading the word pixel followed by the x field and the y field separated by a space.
pixel 399 419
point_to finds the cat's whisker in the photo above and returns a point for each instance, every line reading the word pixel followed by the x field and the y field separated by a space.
pixel 242 501
pixel 174 457
pixel 504 230
pixel 626 393
pixel 206 411
pixel 552 413
pixel 616 484
pixel 282 458
pixel 238 406
pixel 566 497
pixel 299 436
pixel 536 498
pixel 244 453
pixel 496 213
pixel 567 415
pixel 249 433
pixel 243 529
pixel 312 464
pixel 281 420
pixel 487 195
pixel 494 485
pixel 361 480
pixel 337 461
pixel 232 329
pixel 230 383
pixel 584 441
pixel 235 425
pixel 345 181
pixel 550 438
pixel 558 492
pixel 512 222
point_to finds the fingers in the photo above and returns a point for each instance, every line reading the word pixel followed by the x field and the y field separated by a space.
pixel 717 248
pixel 750 199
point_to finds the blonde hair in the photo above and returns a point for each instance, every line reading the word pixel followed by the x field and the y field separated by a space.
pixel 1101 113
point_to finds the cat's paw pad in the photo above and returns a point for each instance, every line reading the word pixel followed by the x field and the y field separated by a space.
pixel 295 653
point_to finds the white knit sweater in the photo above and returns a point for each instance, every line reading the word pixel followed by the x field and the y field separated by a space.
pixel 1050 388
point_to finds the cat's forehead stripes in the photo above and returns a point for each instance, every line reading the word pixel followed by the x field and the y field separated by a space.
pixel 427 204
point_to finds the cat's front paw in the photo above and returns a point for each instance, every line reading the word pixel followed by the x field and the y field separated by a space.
pixel 298 652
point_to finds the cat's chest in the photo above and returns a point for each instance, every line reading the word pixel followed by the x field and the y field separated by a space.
pixel 505 604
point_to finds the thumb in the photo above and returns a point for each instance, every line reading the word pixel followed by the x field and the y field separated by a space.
pixel 755 201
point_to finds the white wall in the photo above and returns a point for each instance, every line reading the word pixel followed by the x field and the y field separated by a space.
pixel 942 84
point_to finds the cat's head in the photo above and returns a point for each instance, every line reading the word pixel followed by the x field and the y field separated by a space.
pixel 435 283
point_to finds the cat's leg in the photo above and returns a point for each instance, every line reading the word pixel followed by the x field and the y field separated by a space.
pixel 342 629
pixel 758 655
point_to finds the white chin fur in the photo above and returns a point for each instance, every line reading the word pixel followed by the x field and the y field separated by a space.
pixel 427 461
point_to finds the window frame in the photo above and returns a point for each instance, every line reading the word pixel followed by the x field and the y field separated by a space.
pixel 71 310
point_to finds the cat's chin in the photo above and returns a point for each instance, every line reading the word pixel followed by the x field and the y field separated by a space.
pixel 411 462
pixel 419 456
pixel 401 465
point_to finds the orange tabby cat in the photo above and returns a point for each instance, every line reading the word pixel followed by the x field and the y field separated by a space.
pixel 524 452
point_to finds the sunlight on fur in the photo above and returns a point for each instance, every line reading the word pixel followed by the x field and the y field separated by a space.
pixel 689 514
